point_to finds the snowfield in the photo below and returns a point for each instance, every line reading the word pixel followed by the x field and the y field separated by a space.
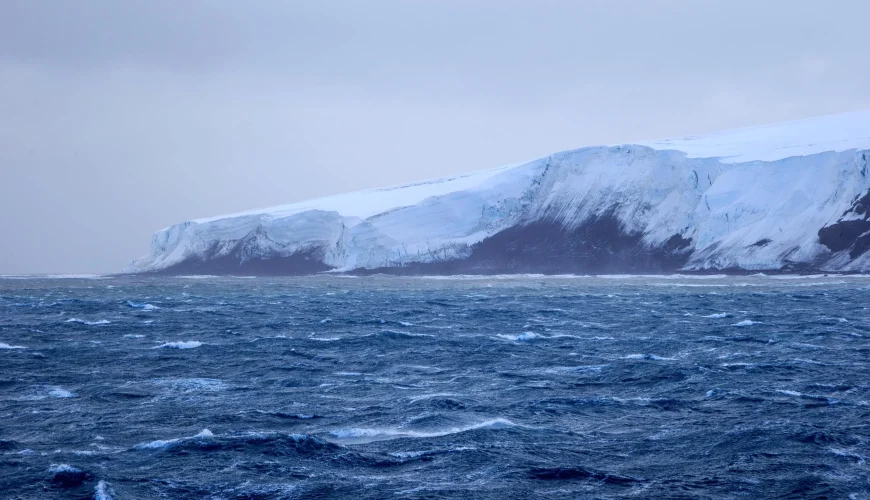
pixel 788 196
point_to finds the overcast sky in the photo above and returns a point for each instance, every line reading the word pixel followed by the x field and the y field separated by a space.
pixel 118 118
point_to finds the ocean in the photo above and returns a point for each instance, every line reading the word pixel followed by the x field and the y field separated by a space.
pixel 423 387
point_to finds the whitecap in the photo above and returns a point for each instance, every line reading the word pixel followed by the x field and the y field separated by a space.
pixel 523 337
pixel 90 323
pixel 143 306
pixel 158 444
pixel 746 322
pixel 716 315
pixel 861 459
pixel 181 344
pixel 575 369
pixel 364 435
pixel 648 356
pixel 7 346
pixel 60 468
pixel 133 336
pixel 101 492
pixel 205 433
pixel 58 392
pixel 713 393
pixel 409 454
pixel 162 444
pixel 187 385
pixel 789 393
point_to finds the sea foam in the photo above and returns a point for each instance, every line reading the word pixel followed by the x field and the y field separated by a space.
pixel 90 323
pixel 181 344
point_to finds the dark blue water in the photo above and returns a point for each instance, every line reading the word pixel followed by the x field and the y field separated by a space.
pixel 424 388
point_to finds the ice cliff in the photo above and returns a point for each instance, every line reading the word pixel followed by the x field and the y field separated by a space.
pixel 786 197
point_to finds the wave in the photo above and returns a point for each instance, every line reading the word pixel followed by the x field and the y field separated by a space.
pixel 574 369
pixel 396 334
pixel 7 346
pixel 164 444
pixel 860 459
pixel 58 392
pixel 181 344
pixel 811 397
pixel 716 315
pixel 747 322
pixel 523 337
pixel 492 276
pixel 187 385
pixel 665 276
pixel 574 473
pixel 406 456
pixel 283 414
pixel 90 323
pixel 430 396
pixel 101 492
pixel 276 443
pixel 142 306
pixel 54 276
pixel 715 394
pixel 648 357
pixel 67 476
pixel 367 435
pixel 809 362
pixel 294 416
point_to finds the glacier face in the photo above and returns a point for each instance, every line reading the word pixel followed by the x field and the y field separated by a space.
pixel 789 196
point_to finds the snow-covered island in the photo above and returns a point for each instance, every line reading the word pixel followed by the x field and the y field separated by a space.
pixel 786 197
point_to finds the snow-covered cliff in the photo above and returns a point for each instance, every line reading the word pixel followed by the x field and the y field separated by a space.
pixel 790 196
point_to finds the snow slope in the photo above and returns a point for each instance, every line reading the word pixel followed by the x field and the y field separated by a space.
pixel 774 197
pixel 840 132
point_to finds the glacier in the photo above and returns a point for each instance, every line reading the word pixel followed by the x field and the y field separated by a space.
pixel 787 197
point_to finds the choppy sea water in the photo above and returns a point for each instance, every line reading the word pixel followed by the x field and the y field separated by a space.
pixel 669 387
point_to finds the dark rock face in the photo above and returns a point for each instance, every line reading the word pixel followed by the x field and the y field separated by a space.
pixel 298 264
pixel 852 235
pixel 598 246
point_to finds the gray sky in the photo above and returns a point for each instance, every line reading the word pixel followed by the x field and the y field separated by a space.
pixel 118 118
